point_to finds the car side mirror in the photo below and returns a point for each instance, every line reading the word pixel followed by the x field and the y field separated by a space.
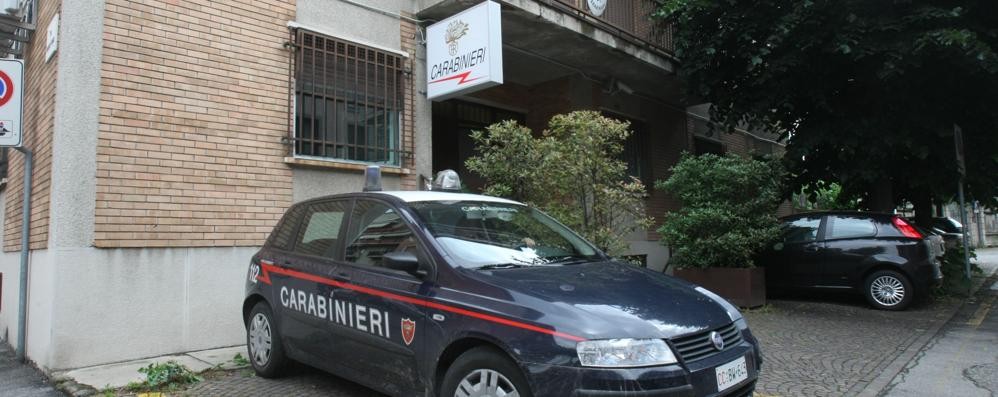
pixel 778 246
pixel 402 261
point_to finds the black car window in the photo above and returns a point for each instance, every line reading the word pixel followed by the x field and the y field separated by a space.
pixel 285 231
pixel 320 232
pixel 376 229
pixel 801 230
pixel 844 226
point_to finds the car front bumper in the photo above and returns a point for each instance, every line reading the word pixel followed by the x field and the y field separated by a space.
pixel 694 379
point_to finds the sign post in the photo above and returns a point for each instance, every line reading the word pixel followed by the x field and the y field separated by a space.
pixel 11 110
pixel 464 52
pixel 961 167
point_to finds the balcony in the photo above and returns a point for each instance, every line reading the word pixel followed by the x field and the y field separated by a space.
pixel 628 18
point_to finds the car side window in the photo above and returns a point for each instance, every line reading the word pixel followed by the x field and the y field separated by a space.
pixel 376 229
pixel 284 233
pixel 801 230
pixel 320 231
pixel 844 226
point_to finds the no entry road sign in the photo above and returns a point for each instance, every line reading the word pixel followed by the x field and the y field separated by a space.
pixel 11 89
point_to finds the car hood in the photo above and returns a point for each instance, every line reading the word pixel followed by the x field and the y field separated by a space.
pixel 611 300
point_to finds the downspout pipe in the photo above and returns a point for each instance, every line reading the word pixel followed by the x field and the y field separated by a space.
pixel 22 305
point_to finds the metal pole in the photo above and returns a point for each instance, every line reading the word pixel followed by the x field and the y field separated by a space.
pixel 22 305
pixel 979 216
pixel 963 219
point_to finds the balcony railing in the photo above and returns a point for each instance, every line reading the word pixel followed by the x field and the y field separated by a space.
pixel 629 18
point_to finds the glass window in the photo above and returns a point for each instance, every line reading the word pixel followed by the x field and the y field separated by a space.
pixel 842 226
pixel 488 234
pixel 801 230
pixel 376 229
pixel 348 100
pixel 320 233
pixel 285 230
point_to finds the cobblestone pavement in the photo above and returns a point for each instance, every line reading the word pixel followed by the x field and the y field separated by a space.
pixel 812 345
pixel 836 345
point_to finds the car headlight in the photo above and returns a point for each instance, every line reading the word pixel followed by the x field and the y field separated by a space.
pixel 733 312
pixel 621 353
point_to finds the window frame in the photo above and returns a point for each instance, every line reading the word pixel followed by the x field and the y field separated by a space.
pixel 385 88
pixel 819 236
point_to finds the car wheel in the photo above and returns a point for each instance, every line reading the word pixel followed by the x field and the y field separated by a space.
pixel 484 372
pixel 266 353
pixel 889 290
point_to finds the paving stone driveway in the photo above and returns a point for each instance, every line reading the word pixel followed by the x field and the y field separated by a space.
pixel 828 347
pixel 834 346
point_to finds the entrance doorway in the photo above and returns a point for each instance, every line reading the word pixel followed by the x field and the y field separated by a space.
pixel 453 122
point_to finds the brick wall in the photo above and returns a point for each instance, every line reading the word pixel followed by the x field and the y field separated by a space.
pixel 194 103
pixel 38 126
pixel 408 32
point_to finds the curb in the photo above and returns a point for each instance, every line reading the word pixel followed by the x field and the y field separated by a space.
pixel 70 387
pixel 878 384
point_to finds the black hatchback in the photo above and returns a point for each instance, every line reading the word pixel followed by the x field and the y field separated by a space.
pixel 450 294
pixel 880 255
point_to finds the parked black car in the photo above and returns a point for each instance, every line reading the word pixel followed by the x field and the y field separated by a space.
pixel 450 294
pixel 882 256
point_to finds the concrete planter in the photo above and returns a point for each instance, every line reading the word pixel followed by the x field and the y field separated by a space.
pixel 741 287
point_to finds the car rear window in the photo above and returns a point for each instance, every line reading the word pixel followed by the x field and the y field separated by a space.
pixel 285 230
pixel 319 234
pixel 843 226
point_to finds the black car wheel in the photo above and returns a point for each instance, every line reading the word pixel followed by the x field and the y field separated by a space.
pixel 266 353
pixel 484 372
pixel 889 290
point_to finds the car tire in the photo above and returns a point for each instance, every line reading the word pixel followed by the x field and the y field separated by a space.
pixel 479 367
pixel 263 340
pixel 888 290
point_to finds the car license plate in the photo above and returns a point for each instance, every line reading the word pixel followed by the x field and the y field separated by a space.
pixel 731 373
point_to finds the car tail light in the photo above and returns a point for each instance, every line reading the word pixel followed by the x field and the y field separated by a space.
pixel 906 229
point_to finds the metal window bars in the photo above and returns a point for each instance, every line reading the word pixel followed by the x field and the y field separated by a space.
pixel 348 102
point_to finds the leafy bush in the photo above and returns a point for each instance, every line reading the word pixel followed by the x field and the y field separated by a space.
pixel 169 376
pixel 953 268
pixel 728 213
pixel 573 172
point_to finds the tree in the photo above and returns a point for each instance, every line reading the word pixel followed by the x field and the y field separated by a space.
pixel 573 172
pixel 728 213
pixel 866 93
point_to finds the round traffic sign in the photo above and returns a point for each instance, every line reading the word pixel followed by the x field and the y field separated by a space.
pixel 6 88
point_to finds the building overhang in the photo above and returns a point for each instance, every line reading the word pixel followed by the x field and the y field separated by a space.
pixel 545 40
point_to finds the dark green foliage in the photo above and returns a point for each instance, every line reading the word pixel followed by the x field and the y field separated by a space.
pixel 866 92
pixel 573 173
pixel 728 213
pixel 954 271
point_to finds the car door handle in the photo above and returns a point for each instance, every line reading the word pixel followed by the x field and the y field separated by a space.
pixel 342 277
pixel 811 249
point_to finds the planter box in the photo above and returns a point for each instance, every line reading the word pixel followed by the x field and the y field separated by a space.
pixel 741 287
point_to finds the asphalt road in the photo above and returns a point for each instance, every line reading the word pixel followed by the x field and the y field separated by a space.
pixel 18 379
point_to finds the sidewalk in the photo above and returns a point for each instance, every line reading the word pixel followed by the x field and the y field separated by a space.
pixel 18 379
pixel 962 360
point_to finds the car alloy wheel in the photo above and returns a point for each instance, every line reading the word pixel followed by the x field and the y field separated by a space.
pixel 485 383
pixel 260 340
pixel 887 290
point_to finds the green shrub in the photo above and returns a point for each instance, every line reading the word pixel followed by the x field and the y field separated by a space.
pixel 573 172
pixel 728 213
pixel 954 271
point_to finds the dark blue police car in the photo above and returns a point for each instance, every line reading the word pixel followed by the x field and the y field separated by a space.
pixel 434 293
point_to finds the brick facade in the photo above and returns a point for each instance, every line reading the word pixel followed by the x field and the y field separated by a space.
pixel 194 103
pixel 39 124
pixel 408 31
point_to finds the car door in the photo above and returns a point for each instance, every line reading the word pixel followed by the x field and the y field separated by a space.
pixel 796 261
pixel 385 333
pixel 849 241
pixel 304 298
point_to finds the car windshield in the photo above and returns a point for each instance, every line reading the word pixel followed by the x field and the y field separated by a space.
pixel 491 235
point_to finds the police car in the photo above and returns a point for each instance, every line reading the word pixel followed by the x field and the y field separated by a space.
pixel 437 293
